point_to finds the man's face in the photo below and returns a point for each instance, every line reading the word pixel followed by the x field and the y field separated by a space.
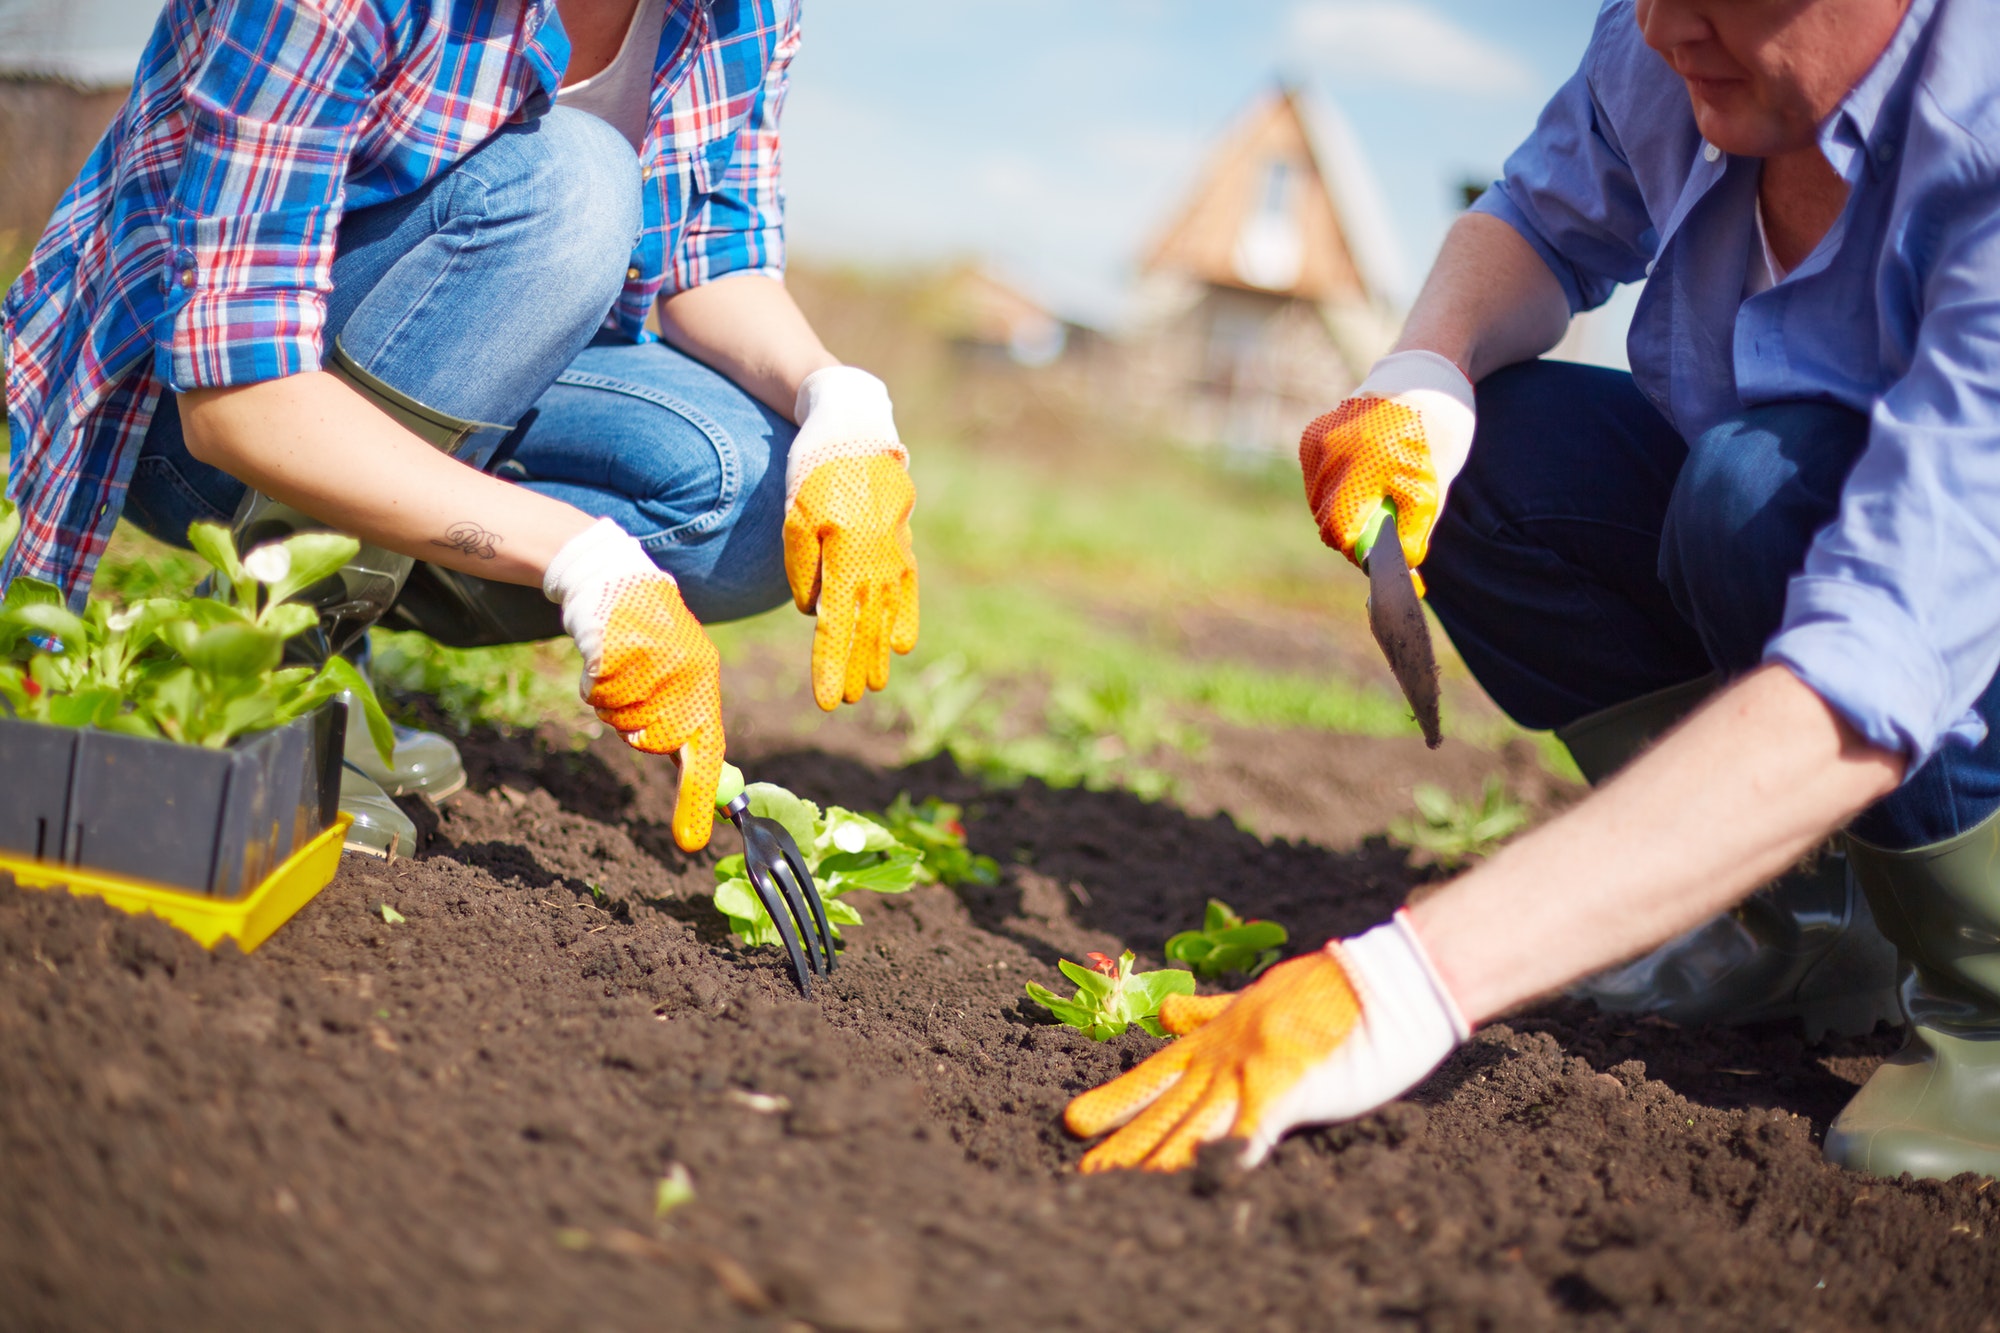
pixel 1763 74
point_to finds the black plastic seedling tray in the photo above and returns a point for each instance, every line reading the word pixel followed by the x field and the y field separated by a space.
pixel 211 821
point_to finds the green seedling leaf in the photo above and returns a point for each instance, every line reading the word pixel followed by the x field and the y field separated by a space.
pixel 390 914
pixel 799 816
pixel 1452 831
pixel 310 557
pixel 10 524
pixel 1110 996
pixel 676 1188
pixel 51 618
pixel 231 651
pixel 342 675
pixel 934 829
pixel 843 831
pixel 212 542
pixel 1227 943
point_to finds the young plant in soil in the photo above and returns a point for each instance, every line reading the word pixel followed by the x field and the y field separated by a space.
pixel 1227 943
pixel 933 828
pixel 197 670
pixel 1451 831
pixel 845 851
pixel 1110 996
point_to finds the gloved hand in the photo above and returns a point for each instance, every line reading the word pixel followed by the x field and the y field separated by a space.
pixel 1402 436
pixel 847 532
pixel 1326 1037
pixel 648 667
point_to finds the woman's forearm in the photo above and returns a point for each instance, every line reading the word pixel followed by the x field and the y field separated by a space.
pixel 1489 301
pixel 1727 801
pixel 313 442
pixel 747 326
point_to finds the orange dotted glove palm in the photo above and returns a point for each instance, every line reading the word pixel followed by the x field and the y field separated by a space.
pixel 1326 1037
pixel 848 555
pixel 1402 437
pixel 648 666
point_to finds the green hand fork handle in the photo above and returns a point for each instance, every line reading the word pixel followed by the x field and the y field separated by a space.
pixel 1397 621
pixel 777 871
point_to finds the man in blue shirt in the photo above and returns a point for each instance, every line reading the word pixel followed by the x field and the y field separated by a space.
pixel 1783 526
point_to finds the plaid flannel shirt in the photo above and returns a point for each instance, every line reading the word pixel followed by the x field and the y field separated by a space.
pixel 196 247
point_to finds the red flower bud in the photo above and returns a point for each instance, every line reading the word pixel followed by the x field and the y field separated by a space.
pixel 34 690
pixel 1103 963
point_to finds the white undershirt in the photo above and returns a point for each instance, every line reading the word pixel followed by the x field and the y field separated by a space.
pixel 621 94
pixel 1764 271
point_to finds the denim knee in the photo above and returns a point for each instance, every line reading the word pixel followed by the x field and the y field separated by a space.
pixel 1754 492
pixel 581 184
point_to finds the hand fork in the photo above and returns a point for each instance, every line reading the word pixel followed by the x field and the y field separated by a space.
pixel 783 884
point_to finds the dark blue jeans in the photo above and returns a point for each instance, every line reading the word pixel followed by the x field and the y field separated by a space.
pixel 1588 555
pixel 483 296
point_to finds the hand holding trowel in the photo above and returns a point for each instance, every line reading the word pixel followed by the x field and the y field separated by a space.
pixel 1379 465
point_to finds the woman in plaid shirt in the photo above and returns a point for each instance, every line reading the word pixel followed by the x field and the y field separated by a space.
pixel 386 266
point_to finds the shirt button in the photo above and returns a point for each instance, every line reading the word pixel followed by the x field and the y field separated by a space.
pixel 632 274
pixel 187 277
pixel 1709 152
pixel 1885 150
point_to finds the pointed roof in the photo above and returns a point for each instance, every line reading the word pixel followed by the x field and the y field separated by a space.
pixel 1288 205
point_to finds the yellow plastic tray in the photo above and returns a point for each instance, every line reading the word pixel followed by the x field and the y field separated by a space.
pixel 249 919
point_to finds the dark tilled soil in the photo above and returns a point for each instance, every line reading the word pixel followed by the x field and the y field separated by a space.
pixel 460 1120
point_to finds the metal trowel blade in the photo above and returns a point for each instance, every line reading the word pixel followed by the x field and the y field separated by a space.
pixel 1397 621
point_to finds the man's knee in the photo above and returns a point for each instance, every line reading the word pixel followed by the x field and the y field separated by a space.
pixel 1755 490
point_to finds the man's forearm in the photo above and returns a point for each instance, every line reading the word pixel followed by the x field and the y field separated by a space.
pixel 1726 802
pixel 314 443
pixel 1489 301
pixel 747 326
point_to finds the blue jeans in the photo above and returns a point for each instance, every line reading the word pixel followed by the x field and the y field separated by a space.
pixel 483 296
pixel 1589 554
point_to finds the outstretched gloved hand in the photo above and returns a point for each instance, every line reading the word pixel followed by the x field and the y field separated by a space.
pixel 1402 436
pixel 848 556
pixel 1326 1037
pixel 648 667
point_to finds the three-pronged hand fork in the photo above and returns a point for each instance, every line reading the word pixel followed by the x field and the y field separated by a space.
pixel 778 873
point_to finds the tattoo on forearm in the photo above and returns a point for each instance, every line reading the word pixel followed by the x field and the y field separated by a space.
pixel 470 539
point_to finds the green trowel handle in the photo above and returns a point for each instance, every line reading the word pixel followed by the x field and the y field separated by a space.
pixel 1385 514
pixel 729 787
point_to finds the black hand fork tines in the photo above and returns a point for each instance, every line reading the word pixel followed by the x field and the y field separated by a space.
pixel 783 884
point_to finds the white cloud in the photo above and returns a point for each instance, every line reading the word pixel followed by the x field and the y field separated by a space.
pixel 1387 41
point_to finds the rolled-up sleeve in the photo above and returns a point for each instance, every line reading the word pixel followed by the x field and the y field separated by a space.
pixel 1569 190
pixel 1895 619
pixel 273 112
pixel 738 224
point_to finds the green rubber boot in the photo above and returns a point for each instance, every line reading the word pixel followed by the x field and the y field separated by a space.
pixel 424 763
pixel 379 829
pixel 1934 1109
pixel 1804 946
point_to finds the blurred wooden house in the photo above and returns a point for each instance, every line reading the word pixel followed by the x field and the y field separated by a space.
pixel 1268 295
pixel 65 68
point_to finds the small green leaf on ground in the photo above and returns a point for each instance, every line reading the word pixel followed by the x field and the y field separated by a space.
pixel 1454 831
pixel 676 1187
pixel 390 914
pixel 1227 943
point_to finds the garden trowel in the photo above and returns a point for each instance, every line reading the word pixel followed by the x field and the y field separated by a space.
pixel 1397 620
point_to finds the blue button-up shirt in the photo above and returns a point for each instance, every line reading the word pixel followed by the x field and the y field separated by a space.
pixel 1895 619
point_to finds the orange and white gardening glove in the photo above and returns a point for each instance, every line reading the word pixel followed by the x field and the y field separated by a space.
pixel 648 667
pixel 1402 437
pixel 848 556
pixel 1326 1037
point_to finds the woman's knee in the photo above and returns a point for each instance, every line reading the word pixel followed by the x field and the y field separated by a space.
pixel 568 185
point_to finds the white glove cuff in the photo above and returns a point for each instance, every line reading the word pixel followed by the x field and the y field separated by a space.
pixel 588 565
pixel 1394 976
pixel 1438 391
pixel 843 412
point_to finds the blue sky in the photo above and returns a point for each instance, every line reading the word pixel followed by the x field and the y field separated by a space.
pixel 1053 138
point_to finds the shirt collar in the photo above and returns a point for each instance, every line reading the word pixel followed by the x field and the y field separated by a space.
pixel 1860 130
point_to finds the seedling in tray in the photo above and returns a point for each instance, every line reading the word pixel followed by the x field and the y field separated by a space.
pixel 1110 996
pixel 1227 943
